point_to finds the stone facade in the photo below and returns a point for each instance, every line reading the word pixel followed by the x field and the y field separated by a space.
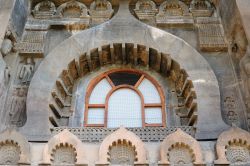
pixel 73 73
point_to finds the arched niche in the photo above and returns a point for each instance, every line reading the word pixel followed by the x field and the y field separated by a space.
pixel 44 9
pixel 67 144
pixel 240 141
pixel 73 9
pixel 182 142
pixel 83 48
pixel 17 144
pixel 122 136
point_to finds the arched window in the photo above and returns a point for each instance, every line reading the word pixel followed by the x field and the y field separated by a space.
pixel 128 98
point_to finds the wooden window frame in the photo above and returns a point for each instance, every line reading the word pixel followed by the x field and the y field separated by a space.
pixel 97 79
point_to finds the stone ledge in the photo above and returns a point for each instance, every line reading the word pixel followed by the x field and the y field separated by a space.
pixel 148 134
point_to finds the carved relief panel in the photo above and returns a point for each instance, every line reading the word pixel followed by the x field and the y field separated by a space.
pixel 122 154
pixel 174 13
pixel 181 155
pixel 210 34
pixel 44 10
pixel 17 106
pixel 32 43
pixel 100 11
pixel 9 153
pixel 64 155
pixel 238 153
pixel 201 8
pixel 145 9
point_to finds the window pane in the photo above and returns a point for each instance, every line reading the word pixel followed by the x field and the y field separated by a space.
pixel 149 92
pixel 121 78
pixel 96 116
pixel 124 109
pixel 153 115
pixel 100 92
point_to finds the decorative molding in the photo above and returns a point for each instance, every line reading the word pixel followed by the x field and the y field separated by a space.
pixel 180 139
pixel 18 142
pixel 148 134
pixel 145 9
pixel 122 135
pixel 64 139
pixel 232 144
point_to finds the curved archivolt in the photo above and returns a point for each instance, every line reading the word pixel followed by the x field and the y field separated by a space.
pixel 134 55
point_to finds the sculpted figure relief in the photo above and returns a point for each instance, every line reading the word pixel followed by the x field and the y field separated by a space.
pixel 26 71
pixel 17 106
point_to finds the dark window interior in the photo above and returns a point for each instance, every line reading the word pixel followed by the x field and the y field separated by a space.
pixel 121 78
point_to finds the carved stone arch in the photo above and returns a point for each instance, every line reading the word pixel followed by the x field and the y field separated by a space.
pixel 180 139
pixel 140 5
pixel 122 135
pixel 182 5
pixel 65 139
pixel 83 10
pixel 201 8
pixel 145 9
pixel 45 6
pixel 106 3
pixel 44 9
pixel 79 54
pixel 232 137
pixel 12 144
pixel 100 11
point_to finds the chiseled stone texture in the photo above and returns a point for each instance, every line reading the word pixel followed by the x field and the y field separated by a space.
pixel 118 30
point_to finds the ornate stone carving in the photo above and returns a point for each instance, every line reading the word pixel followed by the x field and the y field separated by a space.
pixel 100 11
pixel 6 47
pixel 14 148
pixel 64 148
pixel 145 9
pixel 72 9
pixel 231 115
pixel 210 34
pixel 233 147
pixel 181 154
pixel 122 153
pixel 180 143
pixel 64 154
pixel 44 10
pixel 201 8
pixel 174 13
pixel 97 134
pixel 9 153
pixel 118 137
pixel 26 71
pixel 17 106
pixel 238 152
pixel 32 43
